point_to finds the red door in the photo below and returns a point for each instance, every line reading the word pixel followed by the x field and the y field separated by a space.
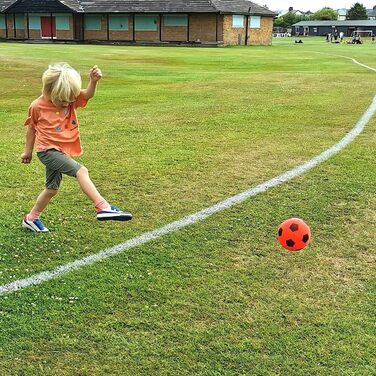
pixel 48 27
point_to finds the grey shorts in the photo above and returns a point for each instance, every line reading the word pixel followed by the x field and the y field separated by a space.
pixel 57 163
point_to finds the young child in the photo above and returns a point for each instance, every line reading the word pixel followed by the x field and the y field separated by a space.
pixel 52 125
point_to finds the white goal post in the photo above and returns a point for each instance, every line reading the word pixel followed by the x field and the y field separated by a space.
pixel 362 33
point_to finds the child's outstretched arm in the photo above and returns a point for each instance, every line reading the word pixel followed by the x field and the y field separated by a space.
pixel 95 76
pixel 30 139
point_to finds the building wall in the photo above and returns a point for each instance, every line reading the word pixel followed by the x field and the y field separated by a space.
pixel 220 30
pixel 263 35
pixel 126 35
pixel 202 27
pixel 18 33
pixel 101 35
pixel 233 35
pixel 324 30
pixel 237 35
pixel 175 33
pixel 318 31
pixel 34 33
pixel 3 33
pixel 21 33
pixel 147 36
pixel 67 34
pixel 10 27
pixel 97 34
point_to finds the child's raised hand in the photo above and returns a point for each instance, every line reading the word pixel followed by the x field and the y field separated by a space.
pixel 95 73
pixel 26 157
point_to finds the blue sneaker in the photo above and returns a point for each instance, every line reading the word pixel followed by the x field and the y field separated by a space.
pixel 36 225
pixel 113 213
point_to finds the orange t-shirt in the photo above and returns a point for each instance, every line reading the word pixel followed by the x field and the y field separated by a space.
pixel 56 128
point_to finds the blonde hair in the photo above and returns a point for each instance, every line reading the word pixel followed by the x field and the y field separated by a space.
pixel 61 83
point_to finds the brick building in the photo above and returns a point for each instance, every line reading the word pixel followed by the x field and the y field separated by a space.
pixel 137 21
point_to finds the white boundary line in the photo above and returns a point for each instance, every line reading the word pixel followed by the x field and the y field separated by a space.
pixel 362 65
pixel 199 216
pixel 349 58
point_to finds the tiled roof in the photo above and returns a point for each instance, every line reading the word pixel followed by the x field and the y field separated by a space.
pixel 5 4
pixel 73 4
pixel 34 6
pixel 168 6
pixel 241 6
pixel 143 6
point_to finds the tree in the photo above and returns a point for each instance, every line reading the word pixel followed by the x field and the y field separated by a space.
pixel 325 14
pixel 279 22
pixel 287 20
pixel 290 19
pixel 357 12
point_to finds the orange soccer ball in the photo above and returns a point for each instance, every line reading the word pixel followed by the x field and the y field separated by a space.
pixel 294 234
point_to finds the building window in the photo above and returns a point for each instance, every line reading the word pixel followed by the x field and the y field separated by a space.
pixel 315 29
pixel 119 22
pixel 237 21
pixel 62 23
pixel 181 20
pixel 93 22
pixel 34 22
pixel 20 21
pixel 2 22
pixel 254 22
pixel 146 23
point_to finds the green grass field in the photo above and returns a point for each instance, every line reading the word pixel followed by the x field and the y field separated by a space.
pixel 172 131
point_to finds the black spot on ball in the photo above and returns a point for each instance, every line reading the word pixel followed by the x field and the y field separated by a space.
pixel 305 238
pixel 294 227
pixel 290 243
pixel 280 231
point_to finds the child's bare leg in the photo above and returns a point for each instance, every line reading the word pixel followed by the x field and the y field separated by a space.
pixel 104 210
pixel 88 186
pixel 42 201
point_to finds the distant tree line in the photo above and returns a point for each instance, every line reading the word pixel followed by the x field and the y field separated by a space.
pixel 356 12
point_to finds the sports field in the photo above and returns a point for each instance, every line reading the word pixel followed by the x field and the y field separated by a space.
pixel 170 132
